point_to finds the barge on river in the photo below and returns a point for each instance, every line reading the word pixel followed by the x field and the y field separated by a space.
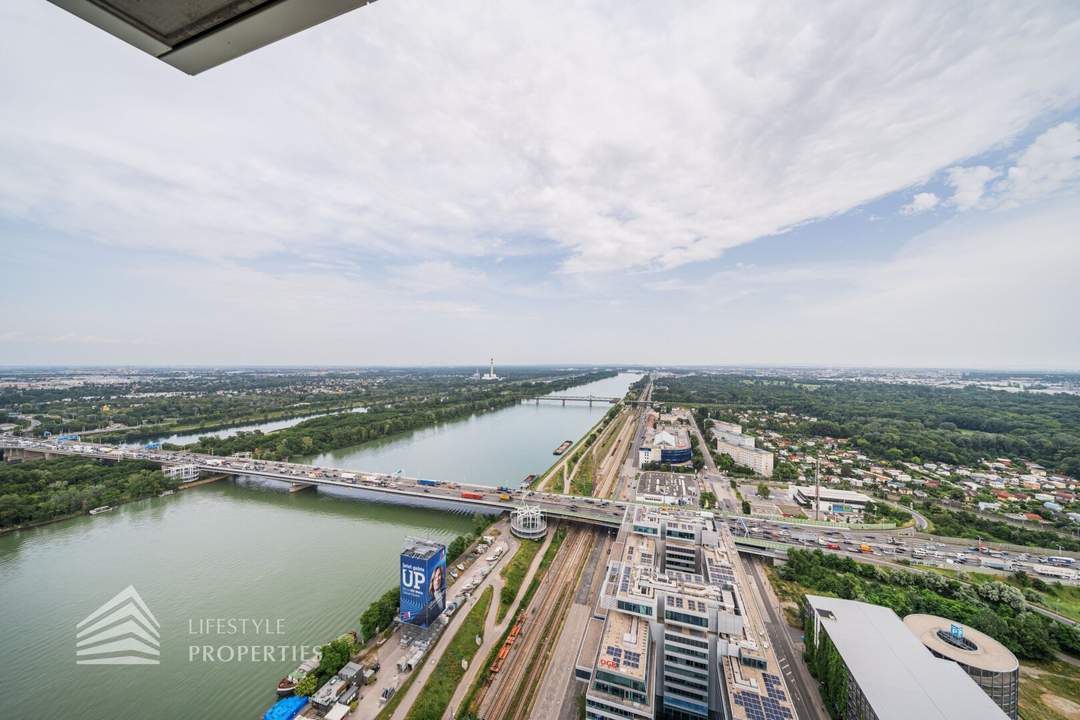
pixel 563 447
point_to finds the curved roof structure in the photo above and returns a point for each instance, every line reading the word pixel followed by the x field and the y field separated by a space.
pixel 980 650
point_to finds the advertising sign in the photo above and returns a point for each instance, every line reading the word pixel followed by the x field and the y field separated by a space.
pixel 423 587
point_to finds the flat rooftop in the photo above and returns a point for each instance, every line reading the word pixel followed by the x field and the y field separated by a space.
pixel 624 646
pixel 900 678
pixel 422 549
pixel 668 484
pixel 984 652
pixel 828 493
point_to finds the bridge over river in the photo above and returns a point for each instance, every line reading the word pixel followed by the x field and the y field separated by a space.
pixel 297 476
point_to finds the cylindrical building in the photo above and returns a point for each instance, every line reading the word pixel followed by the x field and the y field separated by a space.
pixel 990 664
pixel 528 522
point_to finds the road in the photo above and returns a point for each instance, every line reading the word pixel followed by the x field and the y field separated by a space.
pixel 390 652
pixel 493 631
pixel 493 579
pixel 804 689
pixel 952 553
pixel 34 422
pixel 604 512
pixel 706 451
pixel 921 523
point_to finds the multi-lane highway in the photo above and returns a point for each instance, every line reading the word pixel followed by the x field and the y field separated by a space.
pixel 554 505
pixel 893 545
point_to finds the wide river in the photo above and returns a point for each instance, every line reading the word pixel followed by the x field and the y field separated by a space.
pixel 498 448
pixel 296 569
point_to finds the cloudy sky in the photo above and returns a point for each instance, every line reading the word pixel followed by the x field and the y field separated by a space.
pixel 681 182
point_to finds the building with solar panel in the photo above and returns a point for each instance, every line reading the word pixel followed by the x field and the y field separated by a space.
pixel 677 640
pixel 890 675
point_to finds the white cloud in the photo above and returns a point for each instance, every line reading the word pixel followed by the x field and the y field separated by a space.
pixel 433 276
pixel 990 290
pixel 1050 164
pixel 658 135
pixel 921 203
pixel 968 184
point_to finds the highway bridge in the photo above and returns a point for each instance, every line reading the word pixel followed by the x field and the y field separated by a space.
pixel 555 506
pixel 784 533
pixel 590 399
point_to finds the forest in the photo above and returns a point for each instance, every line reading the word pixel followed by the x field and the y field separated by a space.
pixel 915 423
pixel 42 490
pixel 154 402
pixel 343 430
pixel 995 608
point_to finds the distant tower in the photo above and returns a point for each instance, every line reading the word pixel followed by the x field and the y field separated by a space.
pixel 492 367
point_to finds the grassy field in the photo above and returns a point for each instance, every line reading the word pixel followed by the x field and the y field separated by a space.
pixel 469 704
pixel 435 696
pixel 542 480
pixel 582 482
pixel 1049 691
pixel 514 574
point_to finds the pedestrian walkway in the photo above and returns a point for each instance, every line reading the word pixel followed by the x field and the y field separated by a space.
pixel 493 631
pixel 494 579
pixel 392 651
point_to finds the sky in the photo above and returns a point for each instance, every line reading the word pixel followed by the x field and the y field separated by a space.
pixel 848 183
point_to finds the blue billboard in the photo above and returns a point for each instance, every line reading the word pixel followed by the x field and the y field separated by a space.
pixel 423 585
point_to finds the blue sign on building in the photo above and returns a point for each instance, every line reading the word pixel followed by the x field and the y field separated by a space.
pixel 423 584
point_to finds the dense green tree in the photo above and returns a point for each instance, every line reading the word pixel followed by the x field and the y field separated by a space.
pixel 993 608
pixel 905 422
pixel 42 490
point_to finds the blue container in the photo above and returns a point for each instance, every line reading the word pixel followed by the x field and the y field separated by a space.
pixel 286 708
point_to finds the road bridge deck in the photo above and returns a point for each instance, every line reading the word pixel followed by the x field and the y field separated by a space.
pixel 553 505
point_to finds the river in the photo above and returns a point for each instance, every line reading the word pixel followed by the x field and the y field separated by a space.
pixel 266 427
pixel 498 448
pixel 303 565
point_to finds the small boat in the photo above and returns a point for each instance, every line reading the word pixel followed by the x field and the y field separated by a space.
pixel 167 493
pixel 102 509
pixel 288 683
pixel 563 447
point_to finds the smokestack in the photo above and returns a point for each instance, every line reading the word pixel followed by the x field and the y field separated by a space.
pixel 817 487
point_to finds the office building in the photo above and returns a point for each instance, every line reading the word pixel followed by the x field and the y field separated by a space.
pixel 667 488
pixel 760 461
pixel 728 427
pixel 679 640
pixel 668 444
pixel 890 674
pixel 990 664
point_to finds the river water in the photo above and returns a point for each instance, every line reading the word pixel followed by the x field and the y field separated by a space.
pixel 267 427
pixel 498 448
pixel 303 566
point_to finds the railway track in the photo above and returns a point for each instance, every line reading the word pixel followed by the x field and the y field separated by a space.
pixel 610 464
pixel 520 665
pixel 509 692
